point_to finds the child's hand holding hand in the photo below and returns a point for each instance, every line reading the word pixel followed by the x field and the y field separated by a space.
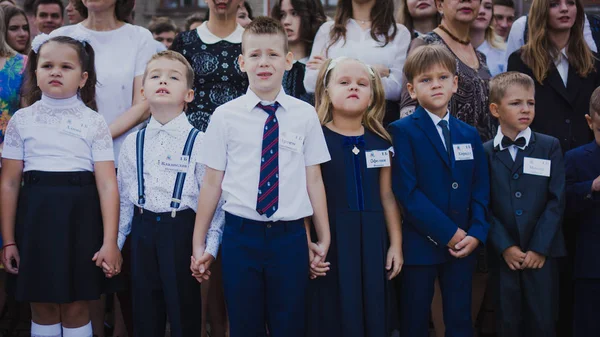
pixel 514 257
pixel 533 260
pixel 465 247
pixel 394 262
pixel 596 185
pixel 316 62
pixel 382 70
pixel 317 253
pixel 458 237
pixel 200 266
pixel 10 253
pixel 109 259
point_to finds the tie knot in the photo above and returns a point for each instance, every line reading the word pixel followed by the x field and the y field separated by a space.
pixel 443 124
pixel 519 142
pixel 270 109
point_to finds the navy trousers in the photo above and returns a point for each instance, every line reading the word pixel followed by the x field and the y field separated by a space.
pixel 163 285
pixel 265 276
pixel 587 308
pixel 416 294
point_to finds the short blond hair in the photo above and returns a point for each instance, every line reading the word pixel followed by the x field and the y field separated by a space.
pixel 501 82
pixel 425 57
pixel 174 56
pixel 595 102
pixel 264 25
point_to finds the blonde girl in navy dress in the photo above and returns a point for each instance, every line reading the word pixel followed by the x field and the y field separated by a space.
pixel 350 295
pixel 60 225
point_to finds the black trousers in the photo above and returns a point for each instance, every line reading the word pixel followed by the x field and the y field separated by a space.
pixel 586 320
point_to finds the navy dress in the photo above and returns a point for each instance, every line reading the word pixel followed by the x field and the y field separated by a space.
pixel 354 299
pixel 293 83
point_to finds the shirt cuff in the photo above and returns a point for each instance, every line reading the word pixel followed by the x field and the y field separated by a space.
pixel 212 246
pixel 121 240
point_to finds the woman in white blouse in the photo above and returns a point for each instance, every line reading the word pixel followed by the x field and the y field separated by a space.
pixel 367 31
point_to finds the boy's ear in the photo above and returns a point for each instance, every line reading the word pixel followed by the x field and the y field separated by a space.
pixel 494 110
pixel 242 63
pixel 455 84
pixel 588 118
pixel 411 90
pixel 142 92
pixel 189 96
pixel 289 60
pixel 84 77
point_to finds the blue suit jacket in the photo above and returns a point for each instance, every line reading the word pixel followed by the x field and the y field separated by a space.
pixel 438 194
pixel 583 207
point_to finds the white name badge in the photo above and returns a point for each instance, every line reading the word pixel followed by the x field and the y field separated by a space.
pixel 537 167
pixel 177 163
pixel 463 152
pixel 378 158
pixel 291 141
pixel 74 127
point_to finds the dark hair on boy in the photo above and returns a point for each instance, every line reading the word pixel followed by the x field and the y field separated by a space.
pixel 162 24
pixel 37 4
pixel 123 9
pixel 505 3
pixel 264 25
pixel 312 16
pixel 33 93
pixel 595 103
pixel 425 57
pixel 194 18
pixel 174 56
pixel 501 82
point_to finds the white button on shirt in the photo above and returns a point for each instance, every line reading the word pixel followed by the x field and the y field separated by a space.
pixel 233 143
pixel 38 135
pixel 436 120
pixel 360 45
pixel 161 141
pixel 513 148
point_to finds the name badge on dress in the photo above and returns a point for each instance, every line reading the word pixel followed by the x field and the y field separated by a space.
pixel 73 127
pixel 463 152
pixel 291 141
pixel 537 167
pixel 178 163
pixel 378 158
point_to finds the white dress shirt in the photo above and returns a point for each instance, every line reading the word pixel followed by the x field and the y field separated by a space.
pixel 562 65
pixel 360 45
pixel 436 121
pixel 209 38
pixel 516 40
pixel 513 148
pixel 162 141
pixel 58 135
pixel 233 143
pixel 494 58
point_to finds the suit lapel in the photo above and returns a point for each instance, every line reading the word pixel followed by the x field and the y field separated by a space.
pixel 426 125
pixel 505 158
pixel 593 152
pixel 556 82
pixel 521 154
pixel 574 84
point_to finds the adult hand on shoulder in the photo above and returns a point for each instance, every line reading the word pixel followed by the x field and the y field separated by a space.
pixel 394 261
pixel 382 70
pixel 317 253
pixel 533 260
pixel 514 257
pixel 458 237
pixel 10 254
pixel 465 247
pixel 596 185
pixel 109 259
pixel 316 62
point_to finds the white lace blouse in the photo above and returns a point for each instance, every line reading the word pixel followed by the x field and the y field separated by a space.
pixel 58 135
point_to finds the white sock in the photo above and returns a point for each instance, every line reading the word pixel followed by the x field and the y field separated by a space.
pixel 38 330
pixel 82 331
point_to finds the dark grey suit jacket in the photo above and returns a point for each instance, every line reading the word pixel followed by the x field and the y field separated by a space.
pixel 527 210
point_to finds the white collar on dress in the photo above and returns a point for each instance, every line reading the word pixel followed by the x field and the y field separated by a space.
pixel 209 38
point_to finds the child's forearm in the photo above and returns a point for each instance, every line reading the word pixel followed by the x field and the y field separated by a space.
pixel 210 194
pixel 318 200
pixel 129 119
pixel 8 205
pixel 391 209
pixel 108 193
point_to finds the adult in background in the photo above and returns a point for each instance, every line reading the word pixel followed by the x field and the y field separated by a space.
pixel 163 30
pixel 244 14
pixel 48 15
pixel 18 36
pixel 419 16
pixel 485 40
pixel 74 14
pixel 566 73
pixel 122 51
pixel 193 21
pixel 367 31
pixel 504 16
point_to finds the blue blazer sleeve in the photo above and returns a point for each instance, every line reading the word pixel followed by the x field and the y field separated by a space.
pixel 421 213
pixel 577 191
pixel 480 195
pixel 551 219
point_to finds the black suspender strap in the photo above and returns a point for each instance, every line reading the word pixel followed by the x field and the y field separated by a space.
pixel 178 189
pixel 139 155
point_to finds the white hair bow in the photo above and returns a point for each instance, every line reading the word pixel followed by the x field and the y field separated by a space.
pixel 42 38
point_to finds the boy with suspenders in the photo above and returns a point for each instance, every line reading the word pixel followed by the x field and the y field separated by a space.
pixel 159 182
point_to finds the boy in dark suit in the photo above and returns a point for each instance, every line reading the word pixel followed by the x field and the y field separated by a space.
pixel 440 176
pixel 583 207
pixel 527 180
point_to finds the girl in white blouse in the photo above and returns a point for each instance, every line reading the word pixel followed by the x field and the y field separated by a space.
pixel 366 31
pixel 61 225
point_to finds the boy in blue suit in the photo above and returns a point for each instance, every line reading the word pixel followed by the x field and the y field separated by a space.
pixel 440 176
pixel 527 179
pixel 583 207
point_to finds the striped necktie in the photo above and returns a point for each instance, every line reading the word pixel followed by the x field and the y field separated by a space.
pixel 268 187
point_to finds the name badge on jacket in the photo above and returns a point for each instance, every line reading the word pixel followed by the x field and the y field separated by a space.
pixel 291 141
pixel 536 167
pixel 177 163
pixel 463 152
pixel 378 158
pixel 73 127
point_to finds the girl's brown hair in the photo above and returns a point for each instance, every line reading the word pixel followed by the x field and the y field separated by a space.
pixel 382 21
pixel 311 15
pixel 33 93
pixel 539 53
pixel 5 49
pixel 372 118
pixel 9 13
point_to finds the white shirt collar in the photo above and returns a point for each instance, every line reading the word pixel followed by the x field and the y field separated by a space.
pixel 499 135
pixel 437 119
pixel 209 38
pixel 61 103
pixel 174 127
pixel 252 99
